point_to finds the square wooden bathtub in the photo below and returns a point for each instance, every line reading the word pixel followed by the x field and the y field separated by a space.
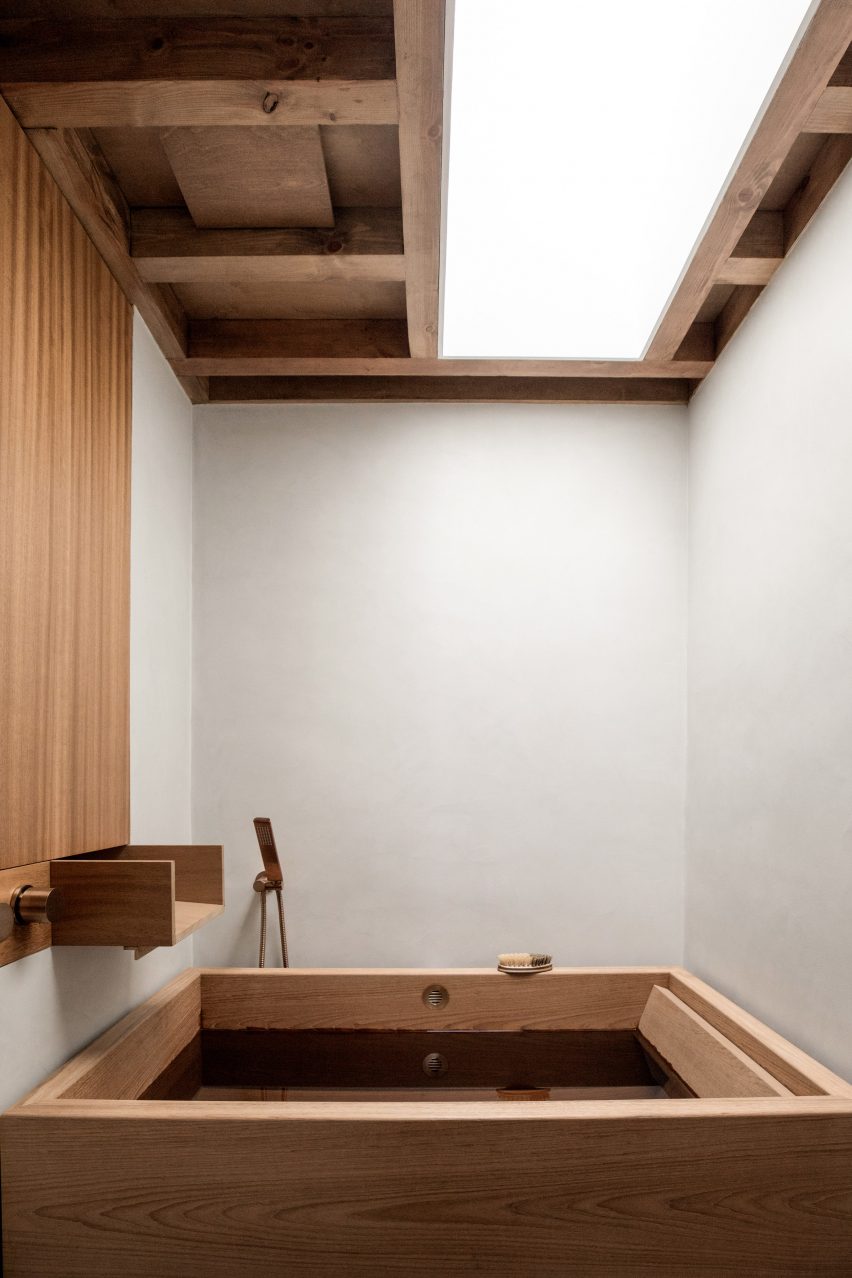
pixel 245 1124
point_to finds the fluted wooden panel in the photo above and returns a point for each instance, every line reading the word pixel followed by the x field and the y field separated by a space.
pixel 65 335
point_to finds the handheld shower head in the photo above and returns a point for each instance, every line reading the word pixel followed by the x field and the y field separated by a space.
pixel 268 850
pixel 270 879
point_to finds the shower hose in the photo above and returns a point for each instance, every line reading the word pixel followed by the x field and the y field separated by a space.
pixel 261 962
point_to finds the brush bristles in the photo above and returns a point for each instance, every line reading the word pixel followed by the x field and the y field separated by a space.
pixel 523 960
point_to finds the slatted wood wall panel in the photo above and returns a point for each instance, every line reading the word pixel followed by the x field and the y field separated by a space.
pixel 65 348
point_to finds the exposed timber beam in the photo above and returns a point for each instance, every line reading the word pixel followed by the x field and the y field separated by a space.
pixel 832 113
pixel 369 348
pixel 490 390
pixel 363 244
pixel 328 339
pixel 761 236
pixel 830 163
pixel 419 34
pixel 758 253
pixel 186 103
pixel 253 365
pixel 204 47
pixel 786 115
pixel 64 9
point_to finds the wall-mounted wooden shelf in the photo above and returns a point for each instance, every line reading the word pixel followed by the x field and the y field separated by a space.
pixel 138 896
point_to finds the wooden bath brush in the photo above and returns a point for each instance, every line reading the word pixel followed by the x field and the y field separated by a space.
pixel 524 964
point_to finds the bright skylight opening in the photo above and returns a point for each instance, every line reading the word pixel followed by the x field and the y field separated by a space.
pixel 588 145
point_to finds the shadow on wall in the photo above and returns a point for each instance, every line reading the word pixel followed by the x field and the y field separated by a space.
pixel 56 1001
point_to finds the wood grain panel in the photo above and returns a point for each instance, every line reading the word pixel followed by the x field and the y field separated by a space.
pixel 833 112
pixel 303 339
pixel 191 8
pixel 748 270
pixel 229 357
pixel 363 166
pixel 176 103
pixel 115 902
pixel 758 253
pixel 662 1188
pixel 331 299
pixel 292 47
pixel 708 1062
pixel 483 390
pixel 251 177
pixel 140 166
pixel 199 868
pixel 65 332
pixel 794 169
pixel 363 244
pixel 419 35
pixel 586 998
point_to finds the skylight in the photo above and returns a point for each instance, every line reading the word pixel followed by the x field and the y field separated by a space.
pixel 588 144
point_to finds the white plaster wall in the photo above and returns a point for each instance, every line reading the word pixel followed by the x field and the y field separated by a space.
pixel 769 917
pixel 55 1001
pixel 161 601
pixel 443 647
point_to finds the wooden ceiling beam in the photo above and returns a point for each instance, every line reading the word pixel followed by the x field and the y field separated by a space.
pixel 488 390
pixel 304 351
pixel 363 244
pixel 833 112
pixel 419 34
pixel 763 237
pixel 199 48
pixel 830 163
pixel 748 270
pixel 797 93
pixel 390 366
pixel 758 253
pixel 298 339
pixel 63 9
pixel 186 103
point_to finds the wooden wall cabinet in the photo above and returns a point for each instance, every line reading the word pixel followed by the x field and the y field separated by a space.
pixel 65 375
pixel 65 423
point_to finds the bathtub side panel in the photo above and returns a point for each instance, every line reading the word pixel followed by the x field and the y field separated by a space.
pixel 246 1196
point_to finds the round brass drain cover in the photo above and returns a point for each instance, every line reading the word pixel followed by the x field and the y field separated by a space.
pixel 435 1065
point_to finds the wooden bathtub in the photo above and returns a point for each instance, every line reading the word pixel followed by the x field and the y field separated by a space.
pixel 736 1158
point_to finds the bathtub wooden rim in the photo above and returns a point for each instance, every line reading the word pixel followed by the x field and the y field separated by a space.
pixel 117 1067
